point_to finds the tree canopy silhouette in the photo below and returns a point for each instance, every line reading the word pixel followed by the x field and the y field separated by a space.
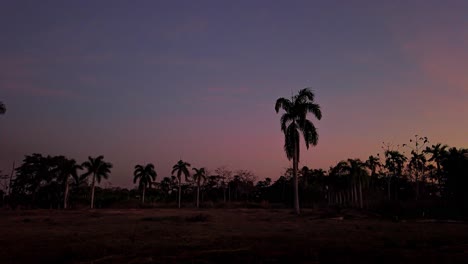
pixel 181 167
pixel 146 175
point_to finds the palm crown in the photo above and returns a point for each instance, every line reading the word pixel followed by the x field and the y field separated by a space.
pixel 181 167
pixel 295 119
pixel 145 174
pixel 199 176
pixel 98 167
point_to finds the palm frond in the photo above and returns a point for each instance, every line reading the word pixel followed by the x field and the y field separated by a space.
pixel 283 103
pixel 314 109
pixel 291 140
pixel 305 94
pixel 286 118
pixel 309 131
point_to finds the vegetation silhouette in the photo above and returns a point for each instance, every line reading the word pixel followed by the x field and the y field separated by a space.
pixel 199 177
pixel 385 185
pixel 99 169
pixel 293 122
pixel 2 108
pixel 145 175
pixel 181 167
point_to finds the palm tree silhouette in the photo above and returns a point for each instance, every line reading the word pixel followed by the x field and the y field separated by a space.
pixel 99 169
pixel 2 108
pixel 358 176
pixel 437 152
pixel 293 122
pixel 373 163
pixel 181 167
pixel 69 168
pixel 199 177
pixel 146 175
pixel 394 163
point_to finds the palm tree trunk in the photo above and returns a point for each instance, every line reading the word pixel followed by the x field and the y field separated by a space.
pixel 198 196
pixel 180 194
pixel 296 184
pixel 92 190
pixel 143 197
pixel 65 196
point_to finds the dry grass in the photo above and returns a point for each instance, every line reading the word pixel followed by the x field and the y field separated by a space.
pixel 223 235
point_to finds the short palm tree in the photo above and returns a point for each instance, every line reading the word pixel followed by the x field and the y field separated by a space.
pixel 199 177
pixel 2 108
pixel 69 168
pixel 294 122
pixel 181 167
pixel 146 175
pixel 99 169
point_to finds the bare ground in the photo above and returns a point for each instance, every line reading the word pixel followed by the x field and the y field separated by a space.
pixel 224 236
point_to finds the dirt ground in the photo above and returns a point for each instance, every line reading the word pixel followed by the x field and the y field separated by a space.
pixel 224 236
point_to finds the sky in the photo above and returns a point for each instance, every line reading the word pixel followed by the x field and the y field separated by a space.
pixel 158 81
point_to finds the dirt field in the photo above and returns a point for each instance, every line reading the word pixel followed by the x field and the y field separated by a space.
pixel 223 236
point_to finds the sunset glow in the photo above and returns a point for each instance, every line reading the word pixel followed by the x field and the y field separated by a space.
pixel 159 81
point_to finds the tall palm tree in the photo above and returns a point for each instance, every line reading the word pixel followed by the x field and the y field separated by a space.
pixel 146 176
pixel 181 167
pixel 199 177
pixel 294 122
pixel 99 169
pixel 2 108
pixel 69 168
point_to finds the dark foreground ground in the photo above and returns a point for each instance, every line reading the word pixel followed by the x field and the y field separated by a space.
pixel 224 236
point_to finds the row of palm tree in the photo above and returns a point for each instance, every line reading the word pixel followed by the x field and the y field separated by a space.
pixel 146 175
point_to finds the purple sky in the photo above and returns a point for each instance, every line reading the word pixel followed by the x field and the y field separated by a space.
pixel 155 81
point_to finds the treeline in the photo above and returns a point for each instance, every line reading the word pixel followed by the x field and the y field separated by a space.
pixel 430 180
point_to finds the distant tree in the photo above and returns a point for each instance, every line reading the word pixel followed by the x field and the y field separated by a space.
pixel 418 160
pixel 99 169
pixel 455 168
pixel 68 167
pixel 145 175
pixel 199 177
pixel 294 122
pixel 2 108
pixel 394 162
pixel 373 163
pixel 358 176
pixel 437 154
pixel 338 183
pixel 181 167
pixel 225 175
